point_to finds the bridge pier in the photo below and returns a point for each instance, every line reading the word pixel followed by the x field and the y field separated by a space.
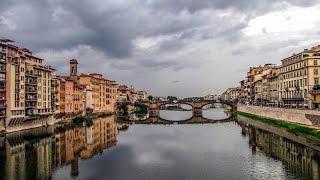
pixel 154 113
pixel 197 112
pixel 196 106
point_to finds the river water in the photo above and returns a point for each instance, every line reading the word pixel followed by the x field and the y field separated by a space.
pixel 239 149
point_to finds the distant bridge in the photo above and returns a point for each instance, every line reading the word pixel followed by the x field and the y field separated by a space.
pixel 196 105
pixel 192 120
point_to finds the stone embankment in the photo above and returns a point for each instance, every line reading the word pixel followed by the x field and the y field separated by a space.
pixel 305 117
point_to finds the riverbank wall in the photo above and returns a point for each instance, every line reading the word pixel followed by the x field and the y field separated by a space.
pixel 49 121
pixel 306 141
pixel 299 116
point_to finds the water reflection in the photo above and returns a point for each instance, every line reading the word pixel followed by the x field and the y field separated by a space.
pixel 240 149
pixel 36 153
pixel 209 112
pixel 175 115
pixel 299 155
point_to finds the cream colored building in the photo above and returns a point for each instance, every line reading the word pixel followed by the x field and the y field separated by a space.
pixel 28 87
pixel 231 94
pixel 142 95
pixel 299 74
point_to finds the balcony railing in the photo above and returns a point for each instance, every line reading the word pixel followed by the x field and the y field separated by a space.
pixel 32 82
pixel 31 90
pixel 3 105
pixel 316 91
pixel 293 99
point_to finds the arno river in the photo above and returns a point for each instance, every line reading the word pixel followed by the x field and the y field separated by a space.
pixel 238 148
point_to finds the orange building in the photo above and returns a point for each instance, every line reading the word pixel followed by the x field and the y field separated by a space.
pixel 102 91
pixel 70 96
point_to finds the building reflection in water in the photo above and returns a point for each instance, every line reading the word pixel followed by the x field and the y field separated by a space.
pixel 300 156
pixel 36 153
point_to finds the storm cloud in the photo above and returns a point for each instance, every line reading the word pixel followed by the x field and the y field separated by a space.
pixel 162 38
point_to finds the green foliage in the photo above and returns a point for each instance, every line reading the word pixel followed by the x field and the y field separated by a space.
pixel 141 109
pixel 123 109
pixel 150 98
pixel 33 116
pixel 290 127
pixel 172 98
pixel 105 114
pixel 316 87
pixel 83 119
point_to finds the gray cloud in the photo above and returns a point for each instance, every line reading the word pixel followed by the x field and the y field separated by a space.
pixel 105 33
pixel 111 26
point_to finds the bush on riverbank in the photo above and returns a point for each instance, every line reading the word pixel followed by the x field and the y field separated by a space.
pixel 290 127
pixel 88 120
pixel 140 109
pixel 105 114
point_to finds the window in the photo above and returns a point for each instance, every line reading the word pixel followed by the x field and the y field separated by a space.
pixel 316 81
pixel 315 71
pixel 315 62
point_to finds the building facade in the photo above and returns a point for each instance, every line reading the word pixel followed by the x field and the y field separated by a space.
pixel 27 81
pixel 299 74
pixel 99 93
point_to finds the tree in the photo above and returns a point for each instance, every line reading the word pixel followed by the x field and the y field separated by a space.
pixel 172 98
pixel 140 108
pixel 124 108
pixel 150 98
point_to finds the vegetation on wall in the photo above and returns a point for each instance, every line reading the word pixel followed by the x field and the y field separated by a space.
pixel 88 120
pixel 105 114
pixel 290 127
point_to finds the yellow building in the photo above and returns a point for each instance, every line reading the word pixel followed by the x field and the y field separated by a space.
pixel 252 88
pixel 231 94
pixel 111 95
pixel 299 74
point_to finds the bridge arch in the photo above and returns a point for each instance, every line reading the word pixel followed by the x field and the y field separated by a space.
pixel 197 106
pixel 178 103
pixel 231 106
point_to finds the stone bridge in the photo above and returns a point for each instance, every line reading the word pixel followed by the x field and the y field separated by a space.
pixel 197 106
pixel 192 120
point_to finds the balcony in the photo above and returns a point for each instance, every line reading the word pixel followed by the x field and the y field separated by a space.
pixel 2 60
pixel 31 82
pixel 30 106
pixel 2 115
pixel 31 100
pixel 3 105
pixel 31 91
pixel 315 92
pixel 28 74
pixel 297 99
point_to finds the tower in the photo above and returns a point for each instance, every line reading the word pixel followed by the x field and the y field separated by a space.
pixel 73 68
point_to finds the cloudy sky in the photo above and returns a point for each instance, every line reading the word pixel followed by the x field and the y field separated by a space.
pixel 168 47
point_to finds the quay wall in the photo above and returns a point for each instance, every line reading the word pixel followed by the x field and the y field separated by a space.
pixel 50 121
pixel 305 117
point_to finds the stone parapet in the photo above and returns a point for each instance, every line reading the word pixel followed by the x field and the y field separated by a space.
pixel 305 117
